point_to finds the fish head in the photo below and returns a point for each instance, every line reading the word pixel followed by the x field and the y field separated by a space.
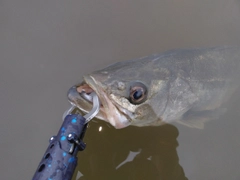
pixel 131 93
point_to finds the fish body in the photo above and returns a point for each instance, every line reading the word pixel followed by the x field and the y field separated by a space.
pixel 187 86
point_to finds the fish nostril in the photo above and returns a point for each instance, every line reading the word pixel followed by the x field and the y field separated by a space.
pixel 121 85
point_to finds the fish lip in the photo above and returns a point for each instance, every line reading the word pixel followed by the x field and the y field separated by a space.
pixel 89 80
pixel 122 120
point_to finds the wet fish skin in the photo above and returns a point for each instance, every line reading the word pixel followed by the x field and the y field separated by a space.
pixel 184 85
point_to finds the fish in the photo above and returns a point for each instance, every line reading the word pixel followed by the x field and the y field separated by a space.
pixel 187 86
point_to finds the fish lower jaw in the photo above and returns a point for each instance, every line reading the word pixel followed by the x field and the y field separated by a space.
pixel 115 117
pixel 118 124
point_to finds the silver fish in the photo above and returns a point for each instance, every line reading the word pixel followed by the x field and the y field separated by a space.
pixel 188 86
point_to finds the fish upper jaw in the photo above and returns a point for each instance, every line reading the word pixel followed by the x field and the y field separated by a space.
pixel 108 111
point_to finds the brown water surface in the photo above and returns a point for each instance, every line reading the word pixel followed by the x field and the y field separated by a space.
pixel 47 46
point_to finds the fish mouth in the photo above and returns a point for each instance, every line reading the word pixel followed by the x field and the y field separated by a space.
pixel 108 110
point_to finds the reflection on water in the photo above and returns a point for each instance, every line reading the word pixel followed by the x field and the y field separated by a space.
pixel 130 153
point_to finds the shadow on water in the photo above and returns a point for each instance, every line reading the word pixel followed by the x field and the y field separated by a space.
pixel 130 153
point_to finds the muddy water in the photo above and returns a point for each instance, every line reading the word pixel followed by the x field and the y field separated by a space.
pixel 165 152
pixel 46 47
pixel 131 153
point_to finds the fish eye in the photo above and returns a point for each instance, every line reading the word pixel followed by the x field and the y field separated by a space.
pixel 138 93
